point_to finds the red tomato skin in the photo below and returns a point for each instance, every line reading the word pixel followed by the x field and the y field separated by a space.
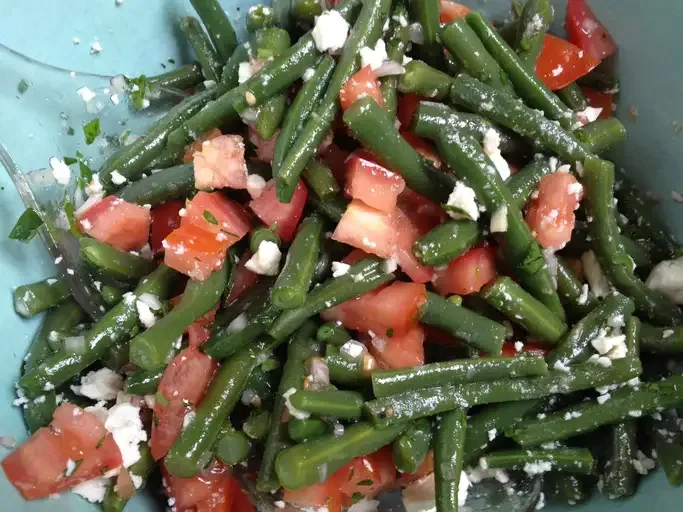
pixel 117 222
pixel 366 228
pixel 532 349
pixel 407 105
pixel 199 490
pixel 244 279
pixel 550 215
pixel 585 30
pixel 423 147
pixel 231 219
pixel 165 218
pixel 194 251
pixel 286 215
pixel 467 273
pixel 371 183
pixel 399 351
pixel 451 11
pixel 597 99
pixel 408 230
pixel 362 84
pixel 355 256
pixel 377 467
pixel 561 63
pixel 184 380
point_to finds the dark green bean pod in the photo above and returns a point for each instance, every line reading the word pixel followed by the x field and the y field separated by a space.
pixel 410 448
pixel 143 382
pixel 320 178
pixel 598 181
pixel 661 340
pixel 427 14
pixel 533 24
pixel 192 450
pixel 669 446
pixel 563 460
pixel 565 488
pixel 257 424
pixel 332 334
pixel 233 445
pixel 585 417
pixel 262 234
pixel 172 183
pixel 619 474
pixel 344 405
pixel 577 297
pixel 332 208
pixel 112 295
pixel 282 13
pixel 270 115
pixel 34 298
pixel 269 43
pixel 449 444
pixel 303 430
pixel 422 79
pixel 446 242
pixel 184 77
pixel 308 463
pixel 306 11
pixel 207 56
pixel 116 357
pixel 114 263
pixel 38 412
pixel 601 135
pixel 218 26
pixel 231 70
pixel 397 46
pixel 258 17
pixel 573 97
pixel 523 183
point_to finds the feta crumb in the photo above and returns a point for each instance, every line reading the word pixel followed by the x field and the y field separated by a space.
pixel 588 115
pixel 117 178
pixel 92 490
pixel 352 350
pixel 102 384
pixel 96 48
pixel 492 434
pixel 519 346
pixel 603 398
pixel 125 425
pixel 308 74
pixel 390 265
pixel 87 95
pixel 145 314
pixel 339 269
pixel 300 415
pixel 491 145
pixel 464 199
pixel 60 171
pixel 463 487
pixel 188 418
pixel 374 57
pixel 560 366
pixel 406 60
pixel 583 298
pixel 667 278
pixel 115 99
pixel 244 72
pixel 279 504
pixel 255 185
pixel 538 467
pixel 499 220
pixel 330 32
pixel 596 278
pixel 266 261
pixel 541 501
pixel 238 324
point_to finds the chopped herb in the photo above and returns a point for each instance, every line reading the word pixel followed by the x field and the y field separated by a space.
pixel 161 399
pixel 27 226
pixel 100 443
pixel 124 136
pixel 138 95
pixel 390 332
pixel 163 65
pixel 69 160
pixel 356 497
pixel 155 420
pixel 86 173
pixel 91 130
pixel 365 482
pixel 172 61
pixel 70 131
pixel 22 87
pixel 210 218
pixel 351 473
pixel 71 217
pixel 270 364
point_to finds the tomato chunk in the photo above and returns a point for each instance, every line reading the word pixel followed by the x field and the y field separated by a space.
pixel 551 214
pixel 509 350
pixel 561 63
pixel 220 163
pixel 399 350
pixel 217 214
pixel 423 147
pixel 184 382
pixel 117 222
pixel 601 100
pixel 362 84
pixel 366 228
pixel 467 273
pixel 585 30
pixel 408 230
pixel 285 216
pixel 208 490
pixel 265 149
pixel 371 183
pixel 165 218
pixel 451 11
pixel 366 475
pixel 325 494
pixel 191 149
pixel 407 105
pixel 194 252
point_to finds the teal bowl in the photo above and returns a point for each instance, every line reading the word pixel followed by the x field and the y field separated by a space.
pixel 138 37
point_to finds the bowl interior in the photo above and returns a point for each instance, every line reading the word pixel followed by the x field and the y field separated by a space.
pixel 138 37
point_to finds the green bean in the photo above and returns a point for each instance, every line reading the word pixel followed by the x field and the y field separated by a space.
pixel 282 13
pixel 397 46
pixel 114 327
pixel 301 347
pixel 533 23
pixel 112 295
pixel 575 347
pixel 292 285
pixel 422 79
pixel 306 10
pixel 143 382
pixel 315 461
pixel 669 445
pixel 573 97
pixel 270 115
pixel 564 460
pixel 465 45
pixel 523 183
pixel 114 263
pixel 320 178
pixel 333 208
pixel 638 253
pixel 261 384
pixel 218 26
pixel 34 298
pixel 116 357
pixel 565 488
pixel 233 447
pixel 191 451
pixel 184 77
pixel 207 56
pixel 577 297
pixel 522 308
pixel 601 135
pixel 427 13
pixel 598 181
pixel 364 276
pixel 333 334
pixel 344 405
pixel 60 320
pixel 449 444
pixel 446 242
pixel 258 17
pixel 375 131
pixel 366 31
pixel 257 424
pixel 113 502
pixel 39 411
pixel 505 109
pixel 302 430
pixel 585 417
pixel 305 102
pixel 231 70
pixel 604 78
pixel 172 183
pixel 531 88
pixel 459 371
pixel 620 475
pixel 661 340
pixel 420 403
pixel 522 252
pixel 262 234
pixel 269 43
pixel 411 447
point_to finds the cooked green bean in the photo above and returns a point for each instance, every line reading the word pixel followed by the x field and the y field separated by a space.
pixel 427 14
pixel 344 405
pixel 257 424
pixel 34 298
pixel 422 79
pixel 262 234
pixel 184 77
pixel 306 10
pixel 159 187
pixel 232 447
pixel 577 297
pixel 218 26
pixel 333 208
pixel 333 334
pixel 112 295
pixel 320 178
pixel 302 430
pixel 446 242
pixel 258 17
pixel 111 262
pixel 411 447
pixel 573 97
pixel 270 115
pixel 39 411
pixel 669 446
pixel 564 460
pixel 143 382
pixel 661 340
pixel 397 46
pixel 206 54
pixel 620 475
pixel 601 135
pixel 533 24
pixel 523 183
pixel 231 70
pixel 449 444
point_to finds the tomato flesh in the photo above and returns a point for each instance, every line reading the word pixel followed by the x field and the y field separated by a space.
pixel 585 30
pixel 285 216
pixel 400 350
pixel 366 475
pixel 366 228
pixel 117 222
pixel 194 252
pixel 165 218
pixel 220 163
pixel 467 273
pixel 215 213
pixel 362 84
pixel 451 11
pixel 561 63
pixel 597 99
pixel 409 229
pixel 191 149
pixel 371 183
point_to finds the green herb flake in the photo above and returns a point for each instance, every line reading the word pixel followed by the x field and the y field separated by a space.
pixel 270 364
pixel 356 497
pixel 69 160
pixel 210 217
pixel 22 86
pixel 155 420
pixel 365 482
pixel 27 226
pixel 70 131
pixel 100 443
pixel 138 87
pixel 172 61
pixel 91 130
pixel 390 332
pixel 69 210
pixel 161 399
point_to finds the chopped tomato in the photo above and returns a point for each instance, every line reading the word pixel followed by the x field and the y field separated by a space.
pixel 393 309
pixel 38 467
pixel 335 158
pixel 206 490
pixel 240 500
pixel 531 349
pixel 585 30
pixel 198 334
pixel 366 475
pixel 244 279
pixel 371 183
pixel 117 222
pixel 423 147
pixel 194 251
pixel 425 212
pixel 285 216
pixel 265 149
pixel 425 468
pixel 400 350
pixel 182 385
pixel 366 228
pixel 362 84
pixel 217 214
pixel 165 218
pixel 220 164
pixel 408 231
pixel 601 100
pixel 326 494
pixel 407 105
pixel 191 149
pixel 467 273
pixel 561 63
pixel 355 256
pixel 451 11
pixel 551 214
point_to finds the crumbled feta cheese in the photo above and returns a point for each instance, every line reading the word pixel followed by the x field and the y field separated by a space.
pixel 519 346
pixel 87 95
pixel 667 278
pixel 492 434
pixel 352 350
pixel 463 487
pixel 92 490
pixel 115 99
pixel 560 366
pixel 145 314
pixel 244 72
pixel 589 115
pixel 266 261
pixel 583 298
pixel 96 48
pixel 499 220
pixel 667 333
pixel 541 501
pixel 255 185
pixel 308 74
pixel 374 57
pixel 117 178
pixel 605 344
pixel 188 418
pixel 643 464
pixel 406 60
pixel 279 504
pixel 596 278
pixel 364 505
pixel 102 384
pixel 126 428
pixel 339 269
pixel 390 265
pixel 463 198
pixel 603 398
pixel 538 467
pixel 60 171
pixel 300 415
pixel 491 145
pixel 70 467
pixel 330 31
pixel 238 324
